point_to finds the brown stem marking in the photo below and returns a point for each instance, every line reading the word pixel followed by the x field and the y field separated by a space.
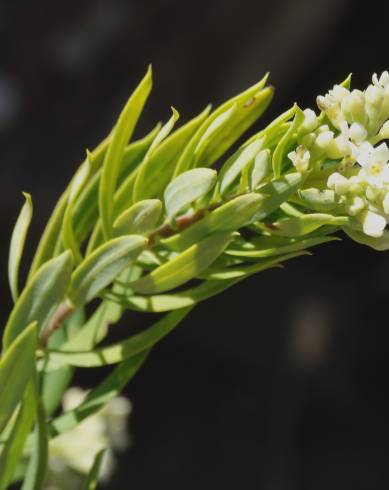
pixel 63 311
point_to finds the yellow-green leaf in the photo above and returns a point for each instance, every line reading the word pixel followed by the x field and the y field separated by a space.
pixel 17 245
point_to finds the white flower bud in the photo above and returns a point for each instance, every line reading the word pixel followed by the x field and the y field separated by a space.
pixel 300 159
pixel 373 224
pixel 339 92
pixel 338 183
pixel 384 131
pixel 358 133
pixel 374 95
pixel 355 205
pixel 324 139
pixel 310 120
pixel 353 107
pixel 385 203
pixel 338 148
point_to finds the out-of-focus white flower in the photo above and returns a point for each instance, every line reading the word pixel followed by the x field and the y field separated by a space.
pixel 76 450
pixel 300 159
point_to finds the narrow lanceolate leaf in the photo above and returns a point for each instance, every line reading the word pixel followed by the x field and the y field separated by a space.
pixel 159 303
pixel 93 476
pixel 36 470
pixel 224 126
pixel 120 136
pixel 16 367
pixel 85 210
pixel 122 350
pixel 260 169
pixel 97 398
pixel 187 188
pixel 184 267
pixel 227 218
pixel 52 233
pixel 276 192
pixel 286 141
pixel 263 247
pixel 157 170
pixel 236 163
pixel 321 200
pixel 42 295
pixel 17 245
pixel 140 218
pixel 12 450
pixel 214 124
pixel 100 268
pixel 274 131
pixel 140 183
pixel 307 223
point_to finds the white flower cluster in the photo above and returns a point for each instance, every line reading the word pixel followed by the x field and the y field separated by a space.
pixel 356 122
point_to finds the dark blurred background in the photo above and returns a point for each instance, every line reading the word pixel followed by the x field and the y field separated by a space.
pixel 281 382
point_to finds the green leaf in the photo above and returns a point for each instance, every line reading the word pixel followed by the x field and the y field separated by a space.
pixel 184 267
pixel 276 192
pixel 13 448
pixel 307 223
pixel 85 211
pixel 227 218
pixel 40 297
pixel 319 200
pixel 260 170
pixel 236 163
pixel 165 302
pixel 271 246
pixel 249 109
pixel 140 218
pixel 93 477
pixel 380 244
pixel 120 351
pixel 98 397
pixel 16 365
pixel 107 313
pixel 121 134
pixel 157 170
pixel 140 184
pixel 187 188
pixel 52 233
pixel 285 142
pixel 100 268
pixel 275 130
pixel 347 82
pixel 213 125
pixel 18 240
pixel 224 126
pixel 54 384
pixel 36 470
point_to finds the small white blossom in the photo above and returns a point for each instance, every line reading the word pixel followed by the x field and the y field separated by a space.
pixel 373 224
pixel 339 183
pixel 374 159
pixel 300 158
pixel 383 81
